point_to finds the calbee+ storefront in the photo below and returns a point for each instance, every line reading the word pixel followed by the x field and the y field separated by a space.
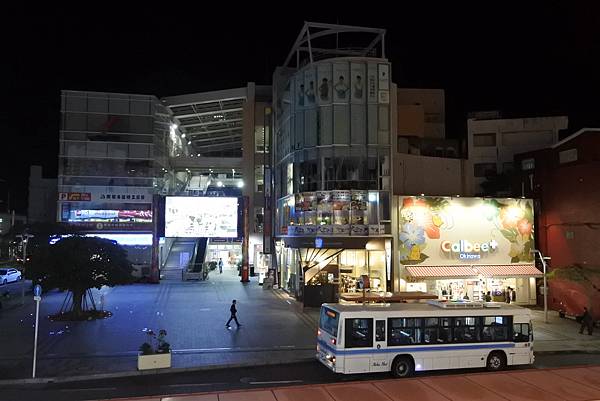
pixel 465 248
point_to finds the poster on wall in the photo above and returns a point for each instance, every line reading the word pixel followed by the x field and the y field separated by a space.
pixel 310 90
pixel 324 81
pixel 201 217
pixel 341 85
pixel 358 74
pixel 440 230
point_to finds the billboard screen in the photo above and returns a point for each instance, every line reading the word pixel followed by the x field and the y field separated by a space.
pixel 192 216
pixel 446 231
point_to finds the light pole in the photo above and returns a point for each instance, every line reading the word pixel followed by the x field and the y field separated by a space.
pixel 25 238
pixel 543 259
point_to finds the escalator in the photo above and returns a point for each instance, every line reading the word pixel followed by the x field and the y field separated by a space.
pixel 180 255
pixel 199 254
pixel 184 253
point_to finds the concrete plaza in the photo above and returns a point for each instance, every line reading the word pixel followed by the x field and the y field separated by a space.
pixel 275 329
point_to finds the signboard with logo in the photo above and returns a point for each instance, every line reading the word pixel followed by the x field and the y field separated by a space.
pixel 75 196
pixel 441 230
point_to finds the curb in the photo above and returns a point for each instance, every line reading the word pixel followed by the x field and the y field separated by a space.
pixel 99 376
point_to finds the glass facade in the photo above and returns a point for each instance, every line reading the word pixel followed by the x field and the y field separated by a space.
pixel 113 157
pixel 332 171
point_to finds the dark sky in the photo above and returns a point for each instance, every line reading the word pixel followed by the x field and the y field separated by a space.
pixel 526 60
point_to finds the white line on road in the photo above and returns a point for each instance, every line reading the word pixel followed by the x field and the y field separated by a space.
pixel 278 382
pixel 288 301
pixel 194 384
pixel 89 389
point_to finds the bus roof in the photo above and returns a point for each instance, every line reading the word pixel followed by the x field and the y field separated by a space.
pixel 491 309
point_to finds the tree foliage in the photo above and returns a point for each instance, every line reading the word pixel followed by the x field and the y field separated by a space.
pixel 79 263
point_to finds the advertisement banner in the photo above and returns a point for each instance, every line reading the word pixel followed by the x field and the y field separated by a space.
pixel 358 73
pixel 446 231
pixel 325 86
pixel 341 86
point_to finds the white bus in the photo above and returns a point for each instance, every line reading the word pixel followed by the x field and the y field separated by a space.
pixel 403 338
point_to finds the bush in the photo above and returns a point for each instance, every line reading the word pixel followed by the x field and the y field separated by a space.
pixel 146 349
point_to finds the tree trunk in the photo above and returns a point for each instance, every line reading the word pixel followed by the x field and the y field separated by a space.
pixel 77 301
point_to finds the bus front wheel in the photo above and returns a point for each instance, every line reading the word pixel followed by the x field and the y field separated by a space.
pixel 496 361
pixel 403 366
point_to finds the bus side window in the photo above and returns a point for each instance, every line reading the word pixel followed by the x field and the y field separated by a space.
pixel 358 333
pixel 380 330
pixel 521 332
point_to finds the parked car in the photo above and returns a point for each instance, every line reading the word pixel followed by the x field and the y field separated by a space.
pixel 8 275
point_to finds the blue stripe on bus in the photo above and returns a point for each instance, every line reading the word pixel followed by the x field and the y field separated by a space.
pixel 413 349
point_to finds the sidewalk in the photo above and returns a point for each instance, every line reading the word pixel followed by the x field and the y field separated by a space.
pixel 194 314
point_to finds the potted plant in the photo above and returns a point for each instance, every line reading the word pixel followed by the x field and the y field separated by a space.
pixel 154 357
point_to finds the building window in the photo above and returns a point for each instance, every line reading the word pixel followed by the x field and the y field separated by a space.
pixel 487 139
pixel 567 156
pixel 259 178
pixel 527 164
pixel 508 167
pixel 484 169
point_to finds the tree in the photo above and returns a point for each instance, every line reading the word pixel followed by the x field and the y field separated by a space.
pixel 78 264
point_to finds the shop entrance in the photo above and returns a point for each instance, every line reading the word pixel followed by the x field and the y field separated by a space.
pixel 229 253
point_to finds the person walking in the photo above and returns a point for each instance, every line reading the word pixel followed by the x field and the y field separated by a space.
pixel 507 295
pixel 586 321
pixel 488 297
pixel 233 316
pixel 220 266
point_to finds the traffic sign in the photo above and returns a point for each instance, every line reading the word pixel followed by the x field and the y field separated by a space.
pixel 37 298
pixel 37 291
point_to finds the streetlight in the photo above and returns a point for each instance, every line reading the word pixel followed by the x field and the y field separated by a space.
pixel 543 259
pixel 25 238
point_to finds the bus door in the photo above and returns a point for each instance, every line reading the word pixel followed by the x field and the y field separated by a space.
pixel 380 359
pixel 358 344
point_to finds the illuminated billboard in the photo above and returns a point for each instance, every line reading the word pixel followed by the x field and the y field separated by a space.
pixel 443 231
pixel 192 216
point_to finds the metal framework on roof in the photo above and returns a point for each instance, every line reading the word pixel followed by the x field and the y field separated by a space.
pixel 211 121
pixel 314 43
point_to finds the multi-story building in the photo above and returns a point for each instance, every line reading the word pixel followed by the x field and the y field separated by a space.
pixel 42 197
pixel 114 156
pixel 493 141
pixel 333 124
pixel 563 178
pixel 228 136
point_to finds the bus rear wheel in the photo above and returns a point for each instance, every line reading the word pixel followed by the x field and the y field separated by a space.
pixel 403 366
pixel 496 361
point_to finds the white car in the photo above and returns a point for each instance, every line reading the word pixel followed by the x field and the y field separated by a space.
pixel 8 275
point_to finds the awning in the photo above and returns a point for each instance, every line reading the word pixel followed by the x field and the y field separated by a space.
pixel 444 271
pixel 473 271
pixel 514 270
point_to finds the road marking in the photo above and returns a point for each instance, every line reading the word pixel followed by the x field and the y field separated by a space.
pixel 194 384
pixel 288 301
pixel 89 389
pixel 277 382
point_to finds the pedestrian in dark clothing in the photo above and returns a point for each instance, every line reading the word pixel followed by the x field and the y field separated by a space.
pixel 586 321
pixel 488 297
pixel 220 265
pixel 507 295
pixel 233 316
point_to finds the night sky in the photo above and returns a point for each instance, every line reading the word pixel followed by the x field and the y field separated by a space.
pixel 538 59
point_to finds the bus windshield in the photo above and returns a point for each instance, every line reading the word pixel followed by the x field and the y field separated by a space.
pixel 329 321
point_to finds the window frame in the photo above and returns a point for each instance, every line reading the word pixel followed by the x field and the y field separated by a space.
pixel 351 342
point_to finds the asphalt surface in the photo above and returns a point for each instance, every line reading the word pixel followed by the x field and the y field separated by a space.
pixel 232 379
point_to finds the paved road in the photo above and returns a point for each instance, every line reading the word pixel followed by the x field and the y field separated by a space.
pixel 231 379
